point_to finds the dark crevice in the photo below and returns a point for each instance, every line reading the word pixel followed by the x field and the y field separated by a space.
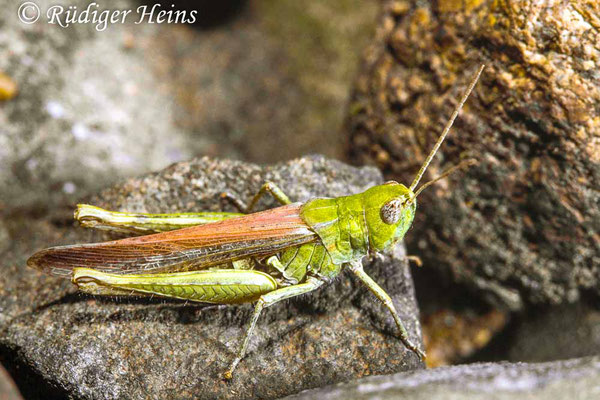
pixel 546 140
pixel 511 51
pixel 29 381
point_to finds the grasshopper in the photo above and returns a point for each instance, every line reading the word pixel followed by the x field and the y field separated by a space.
pixel 233 258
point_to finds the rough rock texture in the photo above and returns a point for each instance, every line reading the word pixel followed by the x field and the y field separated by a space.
pixel 95 348
pixel 571 379
pixel 525 223
pixel 261 80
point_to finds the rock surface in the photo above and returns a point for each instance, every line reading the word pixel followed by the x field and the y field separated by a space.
pixel 88 106
pixel 571 379
pixel 95 348
pixel 556 333
pixel 523 225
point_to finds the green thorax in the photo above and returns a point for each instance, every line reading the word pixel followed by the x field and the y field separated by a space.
pixel 351 226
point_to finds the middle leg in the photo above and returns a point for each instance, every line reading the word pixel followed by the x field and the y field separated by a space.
pixel 268 187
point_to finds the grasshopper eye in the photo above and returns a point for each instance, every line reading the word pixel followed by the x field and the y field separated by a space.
pixel 391 211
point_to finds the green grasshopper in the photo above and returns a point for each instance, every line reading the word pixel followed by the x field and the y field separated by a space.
pixel 232 258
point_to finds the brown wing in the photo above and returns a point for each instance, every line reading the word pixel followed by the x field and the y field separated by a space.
pixel 197 247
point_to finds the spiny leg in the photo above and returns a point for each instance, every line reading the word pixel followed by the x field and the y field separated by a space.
pixel 143 223
pixel 357 269
pixel 273 190
pixel 268 187
pixel 265 301
pixel 221 286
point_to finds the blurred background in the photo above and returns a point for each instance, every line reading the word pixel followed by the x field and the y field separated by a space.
pixel 511 248
pixel 261 81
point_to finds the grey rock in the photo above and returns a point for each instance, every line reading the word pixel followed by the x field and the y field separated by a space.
pixel 87 107
pixel 570 379
pixel 556 333
pixel 106 348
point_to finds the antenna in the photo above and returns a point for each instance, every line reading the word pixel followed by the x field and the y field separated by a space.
pixel 446 129
pixel 465 163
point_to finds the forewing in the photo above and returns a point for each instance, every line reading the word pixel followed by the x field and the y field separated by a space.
pixel 257 234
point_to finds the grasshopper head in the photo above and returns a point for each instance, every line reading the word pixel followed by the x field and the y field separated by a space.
pixel 390 208
pixel 389 212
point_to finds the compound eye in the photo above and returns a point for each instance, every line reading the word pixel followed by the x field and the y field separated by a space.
pixel 390 212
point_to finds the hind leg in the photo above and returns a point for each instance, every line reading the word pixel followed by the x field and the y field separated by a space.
pixel 143 223
pixel 265 301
